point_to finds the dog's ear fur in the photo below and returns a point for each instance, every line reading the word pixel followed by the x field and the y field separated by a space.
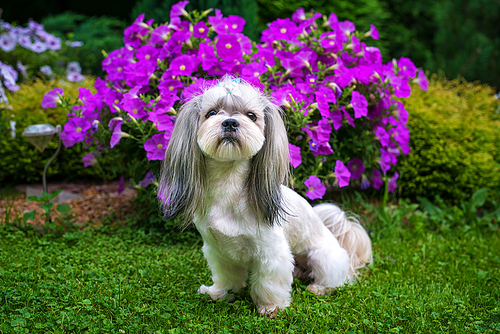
pixel 270 168
pixel 182 177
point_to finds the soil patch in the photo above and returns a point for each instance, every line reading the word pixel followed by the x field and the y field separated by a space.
pixel 95 201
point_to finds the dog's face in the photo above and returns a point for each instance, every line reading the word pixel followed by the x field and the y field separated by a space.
pixel 231 122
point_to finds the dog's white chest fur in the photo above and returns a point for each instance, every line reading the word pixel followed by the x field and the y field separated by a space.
pixel 227 224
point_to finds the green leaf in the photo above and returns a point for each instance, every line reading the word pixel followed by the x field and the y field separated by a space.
pixel 479 198
pixel 34 199
pixel 29 216
pixel 54 193
pixel 47 206
pixel 63 208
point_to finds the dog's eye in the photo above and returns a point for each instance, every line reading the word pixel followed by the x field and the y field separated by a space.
pixel 211 113
pixel 252 116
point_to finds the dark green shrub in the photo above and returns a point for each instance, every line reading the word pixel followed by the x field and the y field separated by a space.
pixel 455 136
pixel 98 34
pixel 467 40
pixel 159 10
pixel 20 161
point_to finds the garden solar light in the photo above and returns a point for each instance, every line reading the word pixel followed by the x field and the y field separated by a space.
pixel 40 135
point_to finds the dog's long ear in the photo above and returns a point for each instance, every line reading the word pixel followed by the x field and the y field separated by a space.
pixel 182 179
pixel 270 168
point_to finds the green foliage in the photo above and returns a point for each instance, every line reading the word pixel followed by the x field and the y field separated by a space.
pixel 98 34
pixel 160 11
pixel 21 162
pixel 47 205
pixel 467 40
pixel 455 131
pixel 148 218
pixel 466 214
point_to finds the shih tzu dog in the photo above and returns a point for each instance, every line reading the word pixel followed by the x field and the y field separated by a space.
pixel 226 169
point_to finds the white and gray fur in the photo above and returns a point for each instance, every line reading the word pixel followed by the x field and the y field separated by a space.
pixel 226 169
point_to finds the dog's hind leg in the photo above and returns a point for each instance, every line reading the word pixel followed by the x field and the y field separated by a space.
pixel 329 265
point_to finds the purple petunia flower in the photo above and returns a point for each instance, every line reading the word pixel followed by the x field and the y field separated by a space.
pixel 9 75
pixel 169 87
pixel 121 186
pixel 74 67
pixel 373 32
pixel 147 53
pixel 160 34
pixel 283 29
pixel 162 121
pixel 382 136
pixel 76 129
pixel 53 42
pixel 52 98
pixel 228 48
pixel 400 111
pixel 406 67
pixel 315 188
pixel 356 167
pixel 422 81
pixel 391 186
pixel 156 147
pixel 75 77
pixel 365 183
pixel 235 24
pixel 7 42
pixel 184 65
pixel 89 160
pixel 342 173
pixel 324 96
pixel 134 106
pixel 38 47
pixel 134 34
pixel 46 70
pixel 359 104
pixel 336 117
pixel 21 68
pixel 401 86
pixel 200 30
pixel 179 9
pixel 115 124
pixel 295 157
pixel 376 179
pixel 146 181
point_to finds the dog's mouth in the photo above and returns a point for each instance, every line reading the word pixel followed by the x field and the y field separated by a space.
pixel 229 138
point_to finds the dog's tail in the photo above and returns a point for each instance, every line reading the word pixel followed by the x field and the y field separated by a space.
pixel 350 234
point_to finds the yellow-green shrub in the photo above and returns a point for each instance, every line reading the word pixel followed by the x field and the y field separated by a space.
pixel 20 161
pixel 455 141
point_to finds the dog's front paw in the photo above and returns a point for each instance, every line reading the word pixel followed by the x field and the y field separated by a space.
pixel 319 289
pixel 216 293
pixel 270 311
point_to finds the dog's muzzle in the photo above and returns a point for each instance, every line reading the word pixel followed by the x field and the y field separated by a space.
pixel 230 130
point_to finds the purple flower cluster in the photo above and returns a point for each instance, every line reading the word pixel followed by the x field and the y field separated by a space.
pixel 323 70
pixel 33 38
pixel 317 68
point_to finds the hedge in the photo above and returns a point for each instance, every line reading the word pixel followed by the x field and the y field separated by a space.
pixel 455 137
pixel 20 161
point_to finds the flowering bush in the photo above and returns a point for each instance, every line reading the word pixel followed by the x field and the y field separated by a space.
pixel 34 52
pixel 345 124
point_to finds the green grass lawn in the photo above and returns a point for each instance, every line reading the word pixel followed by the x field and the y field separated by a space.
pixel 421 281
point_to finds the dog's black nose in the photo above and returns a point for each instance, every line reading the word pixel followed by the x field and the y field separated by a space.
pixel 230 124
